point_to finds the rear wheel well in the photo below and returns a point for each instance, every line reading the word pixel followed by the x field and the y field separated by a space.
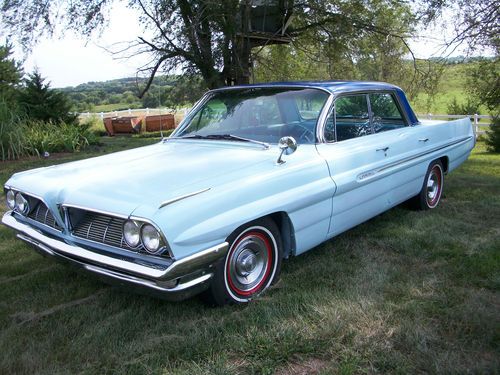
pixel 287 232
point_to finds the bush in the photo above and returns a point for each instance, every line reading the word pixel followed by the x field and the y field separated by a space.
pixel 20 136
pixel 49 137
pixel 493 133
pixel 468 108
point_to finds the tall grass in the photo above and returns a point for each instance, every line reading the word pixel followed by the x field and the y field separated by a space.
pixel 12 140
pixel 21 136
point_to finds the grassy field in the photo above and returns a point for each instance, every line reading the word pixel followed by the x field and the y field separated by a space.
pixel 406 292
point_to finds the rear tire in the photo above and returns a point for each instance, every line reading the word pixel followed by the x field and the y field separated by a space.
pixel 432 188
pixel 251 265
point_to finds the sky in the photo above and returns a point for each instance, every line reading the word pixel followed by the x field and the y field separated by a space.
pixel 72 59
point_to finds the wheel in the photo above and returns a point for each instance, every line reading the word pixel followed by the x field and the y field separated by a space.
pixel 432 189
pixel 251 265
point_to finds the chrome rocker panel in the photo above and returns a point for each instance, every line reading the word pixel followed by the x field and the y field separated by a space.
pixel 182 279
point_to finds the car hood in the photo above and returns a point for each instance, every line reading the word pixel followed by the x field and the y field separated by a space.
pixel 150 175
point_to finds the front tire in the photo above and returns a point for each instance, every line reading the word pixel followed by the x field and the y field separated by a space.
pixel 432 189
pixel 251 265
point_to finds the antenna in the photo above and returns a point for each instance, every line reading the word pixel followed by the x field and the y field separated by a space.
pixel 159 107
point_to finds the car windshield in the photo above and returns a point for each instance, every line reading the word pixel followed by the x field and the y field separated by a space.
pixel 259 114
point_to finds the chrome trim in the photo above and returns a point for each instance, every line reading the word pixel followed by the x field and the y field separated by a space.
pixel 371 173
pixel 165 247
pixel 95 210
pixel 179 198
pixel 323 117
pixel 56 217
pixel 175 289
pixel 164 241
pixel 54 246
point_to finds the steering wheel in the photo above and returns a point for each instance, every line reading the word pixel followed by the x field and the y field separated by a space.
pixel 306 134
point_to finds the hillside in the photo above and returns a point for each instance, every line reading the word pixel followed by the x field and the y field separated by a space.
pixel 176 91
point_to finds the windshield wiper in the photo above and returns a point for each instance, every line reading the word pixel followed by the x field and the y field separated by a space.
pixel 231 137
pixel 225 137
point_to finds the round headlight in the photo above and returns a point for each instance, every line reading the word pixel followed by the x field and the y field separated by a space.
pixel 11 199
pixel 22 204
pixel 151 238
pixel 131 233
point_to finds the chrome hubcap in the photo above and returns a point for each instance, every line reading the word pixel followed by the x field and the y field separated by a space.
pixel 248 262
pixel 432 187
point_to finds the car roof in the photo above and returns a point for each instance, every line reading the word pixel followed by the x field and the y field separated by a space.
pixel 334 87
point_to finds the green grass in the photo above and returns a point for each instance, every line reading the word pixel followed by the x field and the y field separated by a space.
pixel 406 292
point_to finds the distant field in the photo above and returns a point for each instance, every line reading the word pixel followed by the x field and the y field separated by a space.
pixel 452 85
pixel 404 293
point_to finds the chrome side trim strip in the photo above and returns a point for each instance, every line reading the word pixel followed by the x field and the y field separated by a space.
pixel 374 172
pixel 177 269
pixel 170 201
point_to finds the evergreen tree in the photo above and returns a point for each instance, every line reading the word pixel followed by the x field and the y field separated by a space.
pixel 40 102
pixel 10 75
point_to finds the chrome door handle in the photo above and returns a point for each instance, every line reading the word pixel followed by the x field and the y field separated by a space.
pixel 423 140
pixel 383 149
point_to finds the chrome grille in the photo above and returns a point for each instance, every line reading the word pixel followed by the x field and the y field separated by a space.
pixel 101 228
pixel 42 214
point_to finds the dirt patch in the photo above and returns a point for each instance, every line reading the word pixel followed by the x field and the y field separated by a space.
pixel 308 367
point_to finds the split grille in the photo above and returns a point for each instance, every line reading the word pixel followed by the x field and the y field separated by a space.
pixel 42 214
pixel 99 228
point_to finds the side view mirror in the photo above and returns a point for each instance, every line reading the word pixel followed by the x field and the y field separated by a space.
pixel 287 145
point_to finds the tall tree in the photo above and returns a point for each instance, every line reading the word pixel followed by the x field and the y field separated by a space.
pixel 216 39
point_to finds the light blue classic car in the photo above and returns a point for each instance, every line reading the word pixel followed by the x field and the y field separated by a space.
pixel 253 174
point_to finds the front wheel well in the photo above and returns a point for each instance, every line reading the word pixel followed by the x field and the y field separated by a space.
pixel 287 232
pixel 445 162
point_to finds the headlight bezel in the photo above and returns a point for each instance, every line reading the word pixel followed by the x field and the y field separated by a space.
pixel 147 229
pixel 11 203
pixel 144 243
pixel 137 226
pixel 24 201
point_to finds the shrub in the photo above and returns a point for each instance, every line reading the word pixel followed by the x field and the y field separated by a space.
pixel 493 133
pixel 20 136
pixel 49 137
pixel 468 108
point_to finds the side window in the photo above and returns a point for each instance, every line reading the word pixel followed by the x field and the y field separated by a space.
pixel 351 117
pixel 386 114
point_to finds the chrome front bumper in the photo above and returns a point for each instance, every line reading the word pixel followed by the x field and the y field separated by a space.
pixel 181 279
